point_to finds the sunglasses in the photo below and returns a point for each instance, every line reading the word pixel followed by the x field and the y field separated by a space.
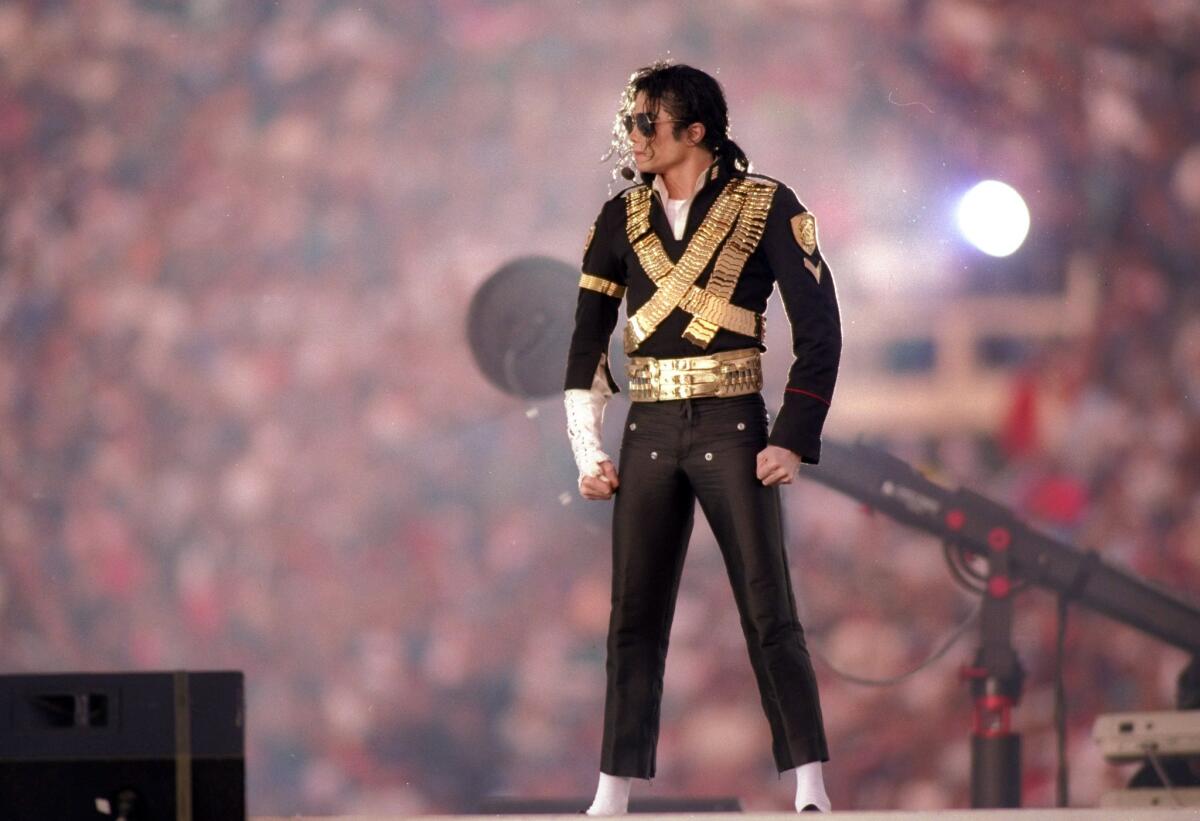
pixel 643 123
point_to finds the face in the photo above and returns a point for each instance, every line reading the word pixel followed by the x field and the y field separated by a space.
pixel 662 150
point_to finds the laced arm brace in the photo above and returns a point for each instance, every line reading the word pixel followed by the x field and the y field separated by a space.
pixel 585 417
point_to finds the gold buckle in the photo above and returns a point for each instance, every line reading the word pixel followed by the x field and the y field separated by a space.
pixel 689 376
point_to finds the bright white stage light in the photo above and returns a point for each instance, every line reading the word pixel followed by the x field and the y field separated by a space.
pixel 993 218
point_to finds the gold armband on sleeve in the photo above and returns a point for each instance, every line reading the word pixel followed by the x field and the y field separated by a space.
pixel 603 286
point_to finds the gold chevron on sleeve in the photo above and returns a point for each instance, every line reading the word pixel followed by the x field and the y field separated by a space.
pixel 603 286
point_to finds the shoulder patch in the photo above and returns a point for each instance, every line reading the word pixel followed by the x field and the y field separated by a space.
pixel 587 243
pixel 804 229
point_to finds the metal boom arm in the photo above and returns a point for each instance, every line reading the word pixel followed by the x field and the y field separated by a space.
pixel 975 522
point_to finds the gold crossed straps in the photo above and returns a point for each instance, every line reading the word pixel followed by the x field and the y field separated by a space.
pixel 741 209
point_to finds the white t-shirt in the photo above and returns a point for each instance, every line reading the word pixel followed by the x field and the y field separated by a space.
pixel 677 210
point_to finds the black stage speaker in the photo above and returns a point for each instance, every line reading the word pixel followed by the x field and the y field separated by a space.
pixel 508 805
pixel 130 746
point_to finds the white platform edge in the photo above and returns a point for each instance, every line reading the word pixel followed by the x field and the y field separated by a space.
pixel 1024 814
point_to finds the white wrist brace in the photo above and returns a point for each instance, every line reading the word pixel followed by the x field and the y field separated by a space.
pixel 585 414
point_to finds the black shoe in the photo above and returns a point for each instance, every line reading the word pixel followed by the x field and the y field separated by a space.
pixel 811 808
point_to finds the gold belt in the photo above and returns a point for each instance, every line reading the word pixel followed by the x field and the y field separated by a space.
pixel 729 373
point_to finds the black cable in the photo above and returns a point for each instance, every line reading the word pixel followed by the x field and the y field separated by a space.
pixel 953 637
pixel 1083 572
pixel 964 574
pixel 1063 787
pixel 967 576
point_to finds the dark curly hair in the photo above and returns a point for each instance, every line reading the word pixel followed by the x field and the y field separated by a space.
pixel 692 96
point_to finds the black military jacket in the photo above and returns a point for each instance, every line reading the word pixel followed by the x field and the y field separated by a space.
pixel 744 235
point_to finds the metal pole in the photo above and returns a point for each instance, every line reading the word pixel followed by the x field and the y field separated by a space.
pixel 996 678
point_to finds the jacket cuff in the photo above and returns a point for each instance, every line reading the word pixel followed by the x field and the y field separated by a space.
pixel 583 370
pixel 798 426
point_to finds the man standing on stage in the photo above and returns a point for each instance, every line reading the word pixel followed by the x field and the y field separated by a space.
pixel 697 249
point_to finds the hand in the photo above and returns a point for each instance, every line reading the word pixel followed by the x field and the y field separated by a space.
pixel 776 465
pixel 602 487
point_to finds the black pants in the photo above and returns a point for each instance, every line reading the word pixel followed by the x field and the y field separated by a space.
pixel 672 454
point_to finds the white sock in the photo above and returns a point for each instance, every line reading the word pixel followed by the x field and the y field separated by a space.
pixel 612 795
pixel 810 787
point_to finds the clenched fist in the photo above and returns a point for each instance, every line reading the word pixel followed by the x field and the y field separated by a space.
pixel 599 488
pixel 777 466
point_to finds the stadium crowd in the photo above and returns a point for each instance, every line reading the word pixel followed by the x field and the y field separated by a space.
pixel 240 426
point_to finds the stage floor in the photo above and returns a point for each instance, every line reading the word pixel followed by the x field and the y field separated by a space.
pixel 1131 814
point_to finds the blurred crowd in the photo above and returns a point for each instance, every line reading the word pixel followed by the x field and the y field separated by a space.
pixel 240 426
